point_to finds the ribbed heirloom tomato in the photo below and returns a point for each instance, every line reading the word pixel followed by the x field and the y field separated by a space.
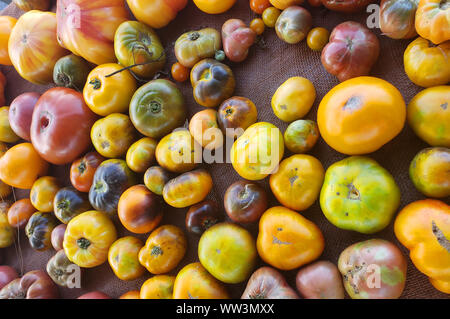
pixel 6 26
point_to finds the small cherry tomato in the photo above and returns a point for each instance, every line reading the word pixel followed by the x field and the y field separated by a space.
pixel 132 294
pixel 258 26
pixel 317 38
pixel 258 6
pixel 57 237
pixel 180 73
pixel 155 178
pixel 270 16
pixel 83 169
pixel 43 192
pixel 20 212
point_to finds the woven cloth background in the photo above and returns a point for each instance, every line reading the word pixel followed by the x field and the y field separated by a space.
pixel 257 78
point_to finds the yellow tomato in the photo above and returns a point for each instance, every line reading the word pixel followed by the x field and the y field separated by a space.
pixel 158 287
pixel 156 13
pixel 7 232
pixel 123 258
pixel 7 135
pixel 6 26
pixel 258 151
pixel 317 38
pixel 360 115
pixel 433 20
pixel 214 6
pixel 426 64
pixel 105 93
pixel 141 154
pixel 293 99
pixel 283 4
pixel 298 181
pixel 43 192
pixel 258 26
pixel 270 16
pixel 88 238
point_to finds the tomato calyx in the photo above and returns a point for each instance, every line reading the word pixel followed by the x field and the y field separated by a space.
pixel 96 83
pixel 442 240
pixel 155 107
pixel 444 5
pixel 259 295
pixel 353 192
pixel 194 36
pixel 156 251
pixel 208 222
pixel 83 243
pixel 63 205
pixel 82 167
pixel 65 79
pixel 219 55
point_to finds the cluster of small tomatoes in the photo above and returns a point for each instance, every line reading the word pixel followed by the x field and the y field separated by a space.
pixel 99 101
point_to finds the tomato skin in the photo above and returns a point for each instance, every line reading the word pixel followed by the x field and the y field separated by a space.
pixel 71 72
pixel 43 192
pixel 39 230
pixel 317 38
pixel 258 6
pixel 155 178
pixel 177 152
pixel 20 212
pixel 123 258
pixel 94 295
pixel 293 24
pixel 432 20
pixel 35 284
pixel 28 5
pixel 193 46
pixel 83 169
pixel 202 216
pixel 39 30
pixel 69 202
pixel 347 6
pixel 258 26
pixel 7 232
pixel 236 113
pixel 141 154
pixel 237 39
pixel 397 18
pixel 267 283
pixel 59 269
pixel 132 294
pixel 21 114
pixel 356 107
pixel 179 72
pixel 156 13
pixel 6 26
pixel 7 134
pixel 98 21
pixel 158 287
pixel 270 16
pixel 205 130
pixel 301 136
pixel 214 6
pixel 7 274
pixel 21 165
pixel 57 237
pixel 320 280
pixel 60 134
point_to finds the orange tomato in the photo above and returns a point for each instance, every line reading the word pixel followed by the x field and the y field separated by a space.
pixel 21 166
pixel 156 13
pixel 287 240
pixel 194 282
pixel 214 6
pixel 180 73
pixel 258 26
pixel 360 115
pixel 83 169
pixel 317 38
pixel 270 16
pixel 33 47
pixel 132 294
pixel 433 20
pixel 20 212
pixel 158 287
pixel 258 6
pixel 283 4
pixel 6 26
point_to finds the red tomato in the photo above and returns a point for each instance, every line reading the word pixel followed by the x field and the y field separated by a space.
pixel 258 6
pixel 21 112
pixel 94 295
pixel 83 169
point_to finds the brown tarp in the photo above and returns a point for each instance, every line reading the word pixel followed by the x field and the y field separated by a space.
pixel 257 78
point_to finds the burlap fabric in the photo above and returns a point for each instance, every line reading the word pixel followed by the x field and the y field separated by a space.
pixel 257 78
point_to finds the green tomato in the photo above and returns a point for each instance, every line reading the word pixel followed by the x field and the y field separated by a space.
pixel 360 195
pixel 301 136
pixel 228 252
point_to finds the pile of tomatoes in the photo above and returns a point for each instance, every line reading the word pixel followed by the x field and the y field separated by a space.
pixel 120 127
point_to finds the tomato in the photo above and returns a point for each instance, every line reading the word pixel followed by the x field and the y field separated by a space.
pixel 293 99
pixel 298 181
pixel 7 134
pixel 349 199
pixel 347 6
pixel 237 39
pixel 320 280
pixel 214 6
pixel 157 108
pixel 2 88
pixel 136 43
pixel 188 189
pixel 258 26
pixel 71 72
pixel 108 92
pixel 177 152
pixel 427 64
pixel 205 130
pixel 57 237
pixel 7 232
pixel 301 136
pixel 286 240
pixel 39 230
pixel 61 134
pixel 155 178
pixel 423 228
pixel 33 31
pixel 258 6
pixel 69 202
pixel 267 283
pixel 140 210
pixel 359 262
pixel 193 46
pixel 257 153
pixel 293 24
pixel 163 250
pixel 158 287
pixel 94 295
pixel 43 192
pixel 430 172
pixel 212 81
pixel 88 238
pixel 179 72
pixel 7 274
pixel 5 189
pixel 83 169
pixel 21 165
pixel 283 4
pixel 113 135
pixel 202 216
pixel 428 115
pixel 141 154
pixel 21 113
pixel 111 179
pixel 433 20
pixel 195 282
pixel 87 28
pixel 397 18
pixel 245 201
pixel 132 294
pixel 34 284
pixel 156 13
pixel 352 51
pixel 360 115
pixel 270 16
pixel 6 26
pixel 123 258
pixel 20 212
pixel 236 113
pixel 228 252
pixel 317 38
pixel 28 5
pixel 315 3
pixel 60 269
